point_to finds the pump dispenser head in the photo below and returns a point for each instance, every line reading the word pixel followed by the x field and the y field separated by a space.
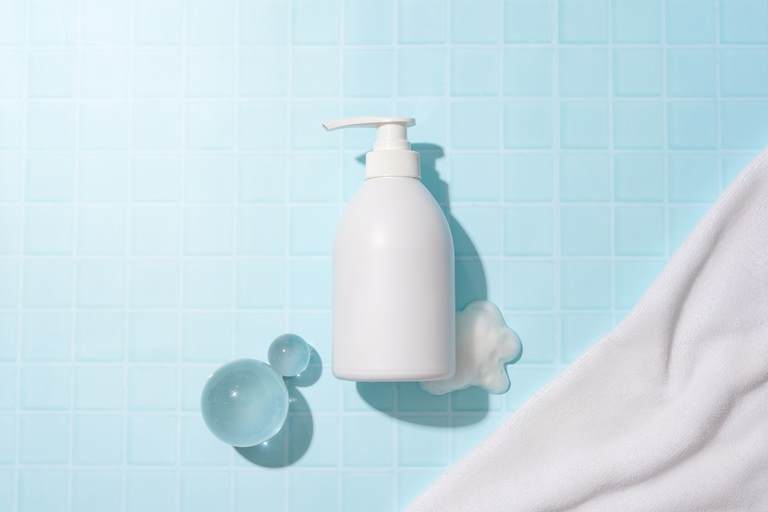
pixel 392 154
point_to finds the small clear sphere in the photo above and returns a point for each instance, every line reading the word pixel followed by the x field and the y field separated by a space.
pixel 289 355
pixel 244 402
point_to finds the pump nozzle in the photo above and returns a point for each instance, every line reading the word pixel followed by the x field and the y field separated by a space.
pixel 391 155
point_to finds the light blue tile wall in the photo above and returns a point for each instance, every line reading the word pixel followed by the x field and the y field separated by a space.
pixel 168 202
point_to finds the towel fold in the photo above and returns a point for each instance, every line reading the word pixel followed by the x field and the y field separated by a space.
pixel 669 412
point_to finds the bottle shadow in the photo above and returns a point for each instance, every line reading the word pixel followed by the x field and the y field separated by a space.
pixel 407 401
pixel 294 438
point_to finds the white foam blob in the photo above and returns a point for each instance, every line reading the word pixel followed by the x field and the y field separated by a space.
pixel 484 345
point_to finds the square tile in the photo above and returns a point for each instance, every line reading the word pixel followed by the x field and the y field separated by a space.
pixel 312 229
pixel 258 487
pixel 105 73
pixel 252 81
pixel 586 284
pixel 367 73
pixel 9 328
pixel 324 450
pixel 209 283
pixel 50 125
pixel 474 72
pixel 104 22
pixel 691 21
pixel 691 72
pixel 12 171
pixel 423 440
pixel 155 230
pixel 43 489
pixel 313 490
pixel 261 230
pixel 411 483
pixel 585 176
pixel 8 442
pixel 528 124
pixel 585 230
pixel 93 489
pixel 262 22
pixel 12 126
pixel 9 390
pixel 105 125
pixel 151 440
pixel 310 281
pixel 422 21
pixel 46 335
pixel 581 331
pixel 12 62
pixel 583 21
pixel 367 491
pixel 639 177
pixel 261 178
pixel 261 283
pixel 98 387
pixel 50 176
pixel 104 176
pixel 637 21
pixel 316 72
pixel 528 21
pixel 315 177
pixel 158 22
pixel 157 124
pixel 146 489
pixel 633 277
pixel 638 124
pixel 474 21
pixel 536 278
pixel 208 230
pixel 255 330
pixel 475 125
pixel 537 334
pixel 741 21
pixel 154 283
pixel 637 72
pixel 152 336
pixel 213 22
pixel 151 388
pixel 157 72
pixel 51 73
pixel 475 177
pixel 305 131
pixel 262 125
pixel 692 125
pixel 742 124
pixel 100 283
pixel 156 177
pixel 421 71
pixel 207 336
pixel 483 222
pixel 10 229
pixel 583 72
pixel 98 439
pixel 640 230
pixel 210 72
pixel 48 282
pixel 528 230
pixel 693 177
pixel 199 447
pixel 210 125
pixel 528 71
pixel 44 438
pixel 744 71
pixel 584 124
pixel 358 451
pixel 99 336
pixel 45 387
pixel 528 177
pixel 316 22
pixel 368 21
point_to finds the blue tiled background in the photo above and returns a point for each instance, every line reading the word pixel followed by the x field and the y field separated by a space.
pixel 168 202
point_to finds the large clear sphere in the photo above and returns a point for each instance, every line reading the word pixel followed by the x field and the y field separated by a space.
pixel 245 402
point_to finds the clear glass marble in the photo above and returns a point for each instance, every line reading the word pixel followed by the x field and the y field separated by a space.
pixel 245 402
pixel 289 355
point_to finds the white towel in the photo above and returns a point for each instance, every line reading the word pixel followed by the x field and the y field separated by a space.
pixel 669 412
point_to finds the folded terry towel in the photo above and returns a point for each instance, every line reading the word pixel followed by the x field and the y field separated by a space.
pixel 669 412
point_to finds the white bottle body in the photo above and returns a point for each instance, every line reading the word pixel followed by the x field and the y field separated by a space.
pixel 393 288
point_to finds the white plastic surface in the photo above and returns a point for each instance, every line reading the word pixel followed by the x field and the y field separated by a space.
pixel 393 294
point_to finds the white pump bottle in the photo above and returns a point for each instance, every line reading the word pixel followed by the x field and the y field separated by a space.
pixel 393 283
